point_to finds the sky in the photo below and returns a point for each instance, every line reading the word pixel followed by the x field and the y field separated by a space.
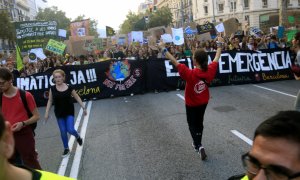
pixel 107 12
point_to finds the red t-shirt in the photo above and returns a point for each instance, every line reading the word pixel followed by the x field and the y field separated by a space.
pixel 196 91
pixel 13 109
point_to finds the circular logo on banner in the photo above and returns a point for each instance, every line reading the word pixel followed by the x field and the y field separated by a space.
pixel 177 38
pixel 199 87
pixel 32 56
pixel 137 72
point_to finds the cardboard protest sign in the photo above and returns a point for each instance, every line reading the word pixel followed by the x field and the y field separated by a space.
pixel 231 26
pixel 56 47
pixel 80 28
pixel 204 37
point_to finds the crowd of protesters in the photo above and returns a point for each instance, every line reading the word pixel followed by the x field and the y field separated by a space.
pixel 146 51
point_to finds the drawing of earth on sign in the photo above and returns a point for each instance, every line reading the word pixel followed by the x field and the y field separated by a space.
pixel 177 38
pixel 118 70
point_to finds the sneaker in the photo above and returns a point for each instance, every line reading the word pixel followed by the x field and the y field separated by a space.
pixel 66 153
pixel 196 148
pixel 79 140
pixel 202 153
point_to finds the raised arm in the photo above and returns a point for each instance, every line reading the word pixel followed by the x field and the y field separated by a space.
pixel 220 43
pixel 167 54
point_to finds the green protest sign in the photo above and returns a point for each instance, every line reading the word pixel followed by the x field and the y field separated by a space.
pixel 291 19
pixel 290 35
pixel 56 47
pixel 34 34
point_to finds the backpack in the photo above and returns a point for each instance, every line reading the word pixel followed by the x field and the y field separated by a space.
pixel 24 101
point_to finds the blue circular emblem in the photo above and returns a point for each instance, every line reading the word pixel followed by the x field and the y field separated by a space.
pixel 177 38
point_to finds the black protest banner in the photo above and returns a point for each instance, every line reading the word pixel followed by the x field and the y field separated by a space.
pixel 120 78
pixel 241 67
pixel 235 67
pixel 35 34
pixel 91 81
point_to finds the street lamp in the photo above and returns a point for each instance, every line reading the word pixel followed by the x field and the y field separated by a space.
pixel 213 5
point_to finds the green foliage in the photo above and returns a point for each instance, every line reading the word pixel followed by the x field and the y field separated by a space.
pixel 129 23
pixel 162 17
pixel 53 14
pixel 7 30
pixel 140 25
pixel 93 25
pixel 136 22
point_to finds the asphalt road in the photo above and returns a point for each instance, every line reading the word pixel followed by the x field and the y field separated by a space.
pixel 146 136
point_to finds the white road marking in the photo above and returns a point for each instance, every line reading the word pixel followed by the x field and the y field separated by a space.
pixel 64 163
pixel 179 95
pixel 275 91
pixel 78 154
pixel 243 137
pixel 235 132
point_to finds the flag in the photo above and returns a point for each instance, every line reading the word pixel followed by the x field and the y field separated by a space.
pixel 19 59
pixel 110 31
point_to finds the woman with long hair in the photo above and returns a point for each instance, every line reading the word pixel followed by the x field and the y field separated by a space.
pixel 61 96
pixel 196 90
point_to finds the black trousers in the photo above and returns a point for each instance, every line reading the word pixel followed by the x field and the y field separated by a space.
pixel 195 117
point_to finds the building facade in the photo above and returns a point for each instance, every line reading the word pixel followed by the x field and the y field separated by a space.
pixel 19 10
pixel 249 13
pixel 182 10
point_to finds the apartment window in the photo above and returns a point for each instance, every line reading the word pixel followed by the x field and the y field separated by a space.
pixel 220 8
pixel 205 0
pixel 205 10
pixel 289 3
pixel 232 6
pixel 265 3
pixel 298 2
pixel 246 4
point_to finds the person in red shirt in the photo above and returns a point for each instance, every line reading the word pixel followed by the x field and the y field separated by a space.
pixel 196 89
pixel 15 113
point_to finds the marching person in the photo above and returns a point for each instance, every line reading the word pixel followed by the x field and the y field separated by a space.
pixel 19 119
pixel 196 89
pixel 61 96
pixel 11 172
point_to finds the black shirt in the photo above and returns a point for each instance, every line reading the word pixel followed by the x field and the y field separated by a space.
pixel 63 102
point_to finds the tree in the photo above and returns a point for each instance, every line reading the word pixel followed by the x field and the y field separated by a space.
pixel 136 22
pixel 53 14
pixel 93 25
pixel 7 30
pixel 140 25
pixel 162 17
pixel 128 25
